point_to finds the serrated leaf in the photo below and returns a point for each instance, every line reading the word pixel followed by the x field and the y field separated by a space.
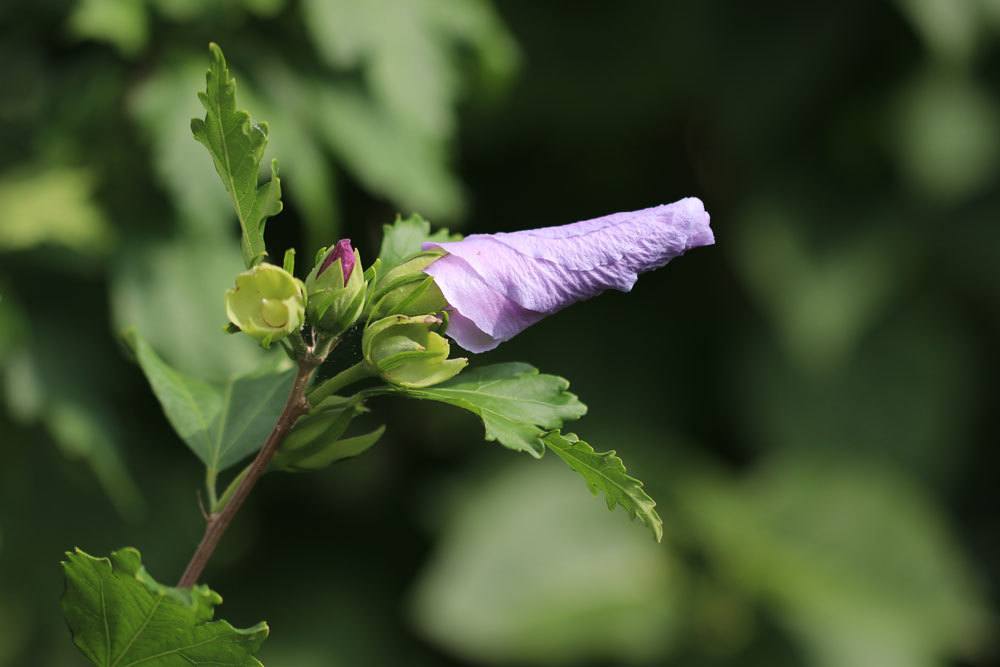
pixel 237 147
pixel 405 237
pixel 120 617
pixel 516 403
pixel 605 473
pixel 162 106
pixel 221 423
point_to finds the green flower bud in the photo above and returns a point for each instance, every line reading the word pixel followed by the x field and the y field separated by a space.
pixel 336 288
pixel 267 303
pixel 406 351
pixel 407 290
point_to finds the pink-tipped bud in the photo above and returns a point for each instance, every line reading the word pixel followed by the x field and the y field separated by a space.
pixel 343 251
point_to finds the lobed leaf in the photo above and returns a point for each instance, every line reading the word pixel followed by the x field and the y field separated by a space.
pixel 516 403
pixel 120 616
pixel 605 473
pixel 237 146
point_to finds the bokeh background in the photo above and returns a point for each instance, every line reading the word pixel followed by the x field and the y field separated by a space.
pixel 809 400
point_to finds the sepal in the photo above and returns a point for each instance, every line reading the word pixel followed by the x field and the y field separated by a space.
pixel 335 304
pixel 317 439
pixel 408 352
pixel 407 290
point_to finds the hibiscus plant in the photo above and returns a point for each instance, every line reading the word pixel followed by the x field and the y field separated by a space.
pixel 422 289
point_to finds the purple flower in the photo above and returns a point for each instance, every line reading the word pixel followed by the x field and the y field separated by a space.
pixel 343 251
pixel 497 285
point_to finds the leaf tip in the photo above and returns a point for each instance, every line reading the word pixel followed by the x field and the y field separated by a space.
pixel 217 55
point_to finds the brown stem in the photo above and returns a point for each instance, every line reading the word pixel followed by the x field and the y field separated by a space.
pixel 218 522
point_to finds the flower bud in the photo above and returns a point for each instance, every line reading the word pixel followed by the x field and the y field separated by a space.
pixel 407 290
pixel 267 303
pixel 498 285
pixel 336 289
pixel 406 351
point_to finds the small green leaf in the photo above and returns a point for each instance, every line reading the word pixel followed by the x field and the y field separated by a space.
pixel 405 238
pixel 288 264
pixel 224 423
pixel 605 473
pixel 120 616
pixel 319 432
pixel 516 403
pixel 321 453
pixel 237 146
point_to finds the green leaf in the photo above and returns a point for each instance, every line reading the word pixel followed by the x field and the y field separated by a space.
pixel 173 293
pixel 321 452
pixel 120 616
pixel 603 594
pixel 237 146
pixel 409 51
pixel 53 205
pixel 162 107
pixel 852 558
pixel 123 23
pixel 827 300
pixel 405 237
pixel 385 156
pixel 414 57
pixel 52 376
pixel 516 403
pixel 315 441
pixel 224 423
pixel 605 473
pixel 289 100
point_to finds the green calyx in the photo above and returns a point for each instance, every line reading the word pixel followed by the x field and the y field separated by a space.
pixel 333 305
pixel 407 351
pixel 267 303
pixel 407 290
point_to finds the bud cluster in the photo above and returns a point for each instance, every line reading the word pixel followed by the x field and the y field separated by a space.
pixel 403 309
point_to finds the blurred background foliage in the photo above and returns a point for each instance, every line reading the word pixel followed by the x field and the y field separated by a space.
pixel 809 400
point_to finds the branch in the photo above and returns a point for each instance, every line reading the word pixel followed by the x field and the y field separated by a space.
pixel 218 522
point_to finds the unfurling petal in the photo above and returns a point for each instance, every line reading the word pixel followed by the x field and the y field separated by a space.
pixel 497 285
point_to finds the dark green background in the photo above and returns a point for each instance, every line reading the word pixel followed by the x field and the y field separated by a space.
pixel 809 400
